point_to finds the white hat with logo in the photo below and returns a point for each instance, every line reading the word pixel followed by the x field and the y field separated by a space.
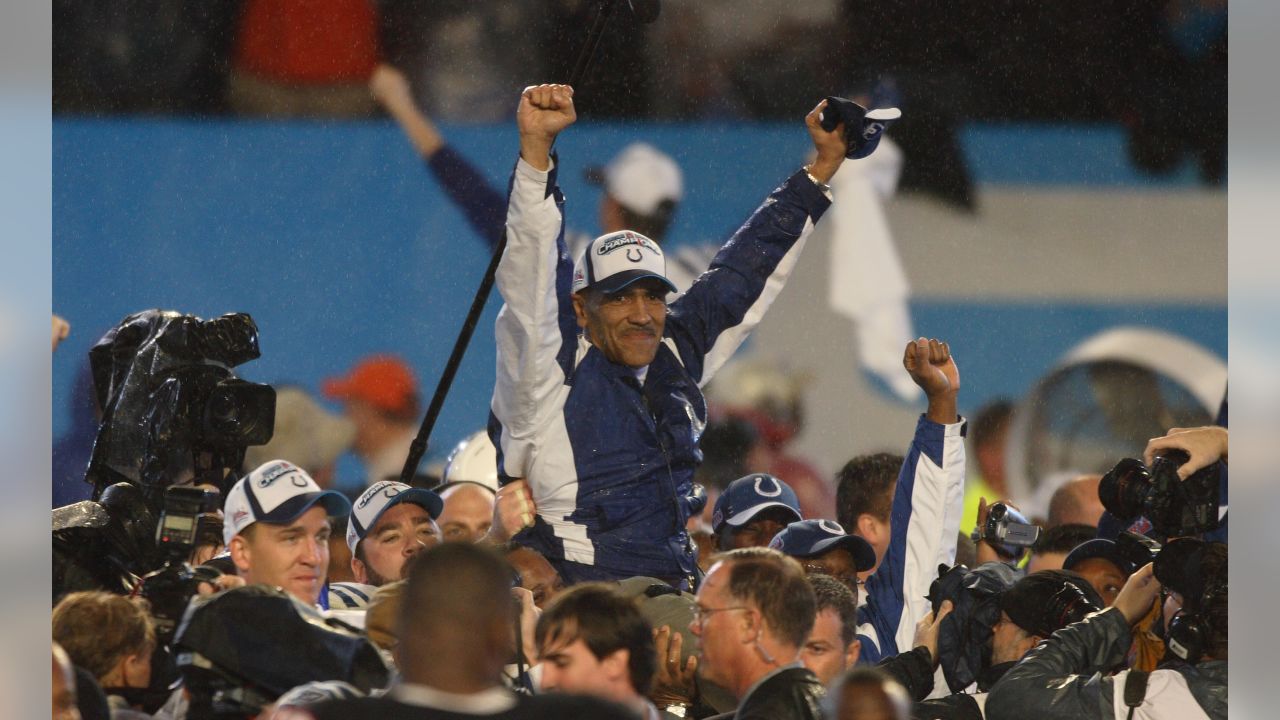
pixel 382 496
pixel 640 178
pixel 276 492
pixel 613 261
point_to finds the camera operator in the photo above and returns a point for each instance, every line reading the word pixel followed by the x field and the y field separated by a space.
pixel 1059 679
pixel 112 637
pixel 277 529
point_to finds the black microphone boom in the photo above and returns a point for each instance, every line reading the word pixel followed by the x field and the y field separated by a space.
pixel 645 12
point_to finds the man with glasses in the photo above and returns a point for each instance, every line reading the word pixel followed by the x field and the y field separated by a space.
pixel 753 612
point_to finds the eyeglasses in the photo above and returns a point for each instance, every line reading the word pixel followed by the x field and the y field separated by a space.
pixel 700 614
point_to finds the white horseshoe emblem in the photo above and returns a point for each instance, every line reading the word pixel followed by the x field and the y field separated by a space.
pixel 775 492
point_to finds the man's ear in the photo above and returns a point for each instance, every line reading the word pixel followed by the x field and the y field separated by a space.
pixel 616 665
pixel 240 554
pixel 870 528
pixel 852 653
pixel 359 570
pixel 580 309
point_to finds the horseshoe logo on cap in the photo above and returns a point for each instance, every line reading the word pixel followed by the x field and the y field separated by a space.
pixel 638 257
pixel 831 527
pixel 775 492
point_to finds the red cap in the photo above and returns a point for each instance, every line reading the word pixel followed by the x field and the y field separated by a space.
pixel 384 381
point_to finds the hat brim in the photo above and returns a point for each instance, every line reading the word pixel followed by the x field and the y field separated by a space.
pixel 742 518
pixel 864 556
pixel 618 281
pixel 334 503
pixel 1094 549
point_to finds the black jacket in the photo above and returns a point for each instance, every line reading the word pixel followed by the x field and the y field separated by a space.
pixel 792 694
pixel 1065 677
pixel 914 670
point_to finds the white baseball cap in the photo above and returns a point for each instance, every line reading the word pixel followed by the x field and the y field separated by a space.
pixel 276 492
pixel 613 261
pixel 640 178
pixel 382 496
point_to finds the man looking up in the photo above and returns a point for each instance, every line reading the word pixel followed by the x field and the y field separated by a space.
pixel 597 404
pixel 389 523
pixel 276 527
pixel 594 641
pixel 753 613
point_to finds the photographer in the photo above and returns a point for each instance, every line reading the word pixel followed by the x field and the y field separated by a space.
pixel 1062 678
pixel 112 637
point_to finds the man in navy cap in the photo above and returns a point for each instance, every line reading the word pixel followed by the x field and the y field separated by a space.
pixel 1102 565
pixel 823 548
pixel 752 510
pixel 276 527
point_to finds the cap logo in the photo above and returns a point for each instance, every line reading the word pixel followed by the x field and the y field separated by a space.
pixel 389 490
pixel 760 482
pixel 278 471
pixel 638 255
pixel 628 239
pixel 717 517
pixel 240 515
pixel 831 527
pixel 776 542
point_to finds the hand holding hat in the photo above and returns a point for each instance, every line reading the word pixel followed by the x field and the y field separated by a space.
pixel 862 127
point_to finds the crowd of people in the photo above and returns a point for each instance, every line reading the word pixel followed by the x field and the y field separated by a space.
pixel 562 563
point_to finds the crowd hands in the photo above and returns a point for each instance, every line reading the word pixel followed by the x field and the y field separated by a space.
pixel 269 595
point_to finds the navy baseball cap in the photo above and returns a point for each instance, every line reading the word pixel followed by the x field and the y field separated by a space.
pixel 808 538
pixel 747 496
pixel 1099 548
pixel 381 497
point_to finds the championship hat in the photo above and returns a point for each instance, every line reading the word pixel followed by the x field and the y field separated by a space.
pixel 615 260
pixel 382 496
pixel 276 492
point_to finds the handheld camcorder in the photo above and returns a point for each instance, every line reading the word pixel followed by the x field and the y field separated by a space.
pixel 1007 530
pixel 189 518
pixel 1175 507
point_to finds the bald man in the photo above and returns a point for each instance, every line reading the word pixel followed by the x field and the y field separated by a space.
pixel 1076 502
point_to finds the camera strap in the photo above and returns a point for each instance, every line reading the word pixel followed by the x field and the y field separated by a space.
pixel 1135 690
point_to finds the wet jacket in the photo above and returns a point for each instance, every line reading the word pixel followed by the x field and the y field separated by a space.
pixel 793 693
pixel 609 453
pixel 924 522
pixel 1064 677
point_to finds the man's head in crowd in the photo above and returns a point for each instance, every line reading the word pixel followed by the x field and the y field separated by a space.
pixel 620 296
pixel 754 610
pixel 276 528
pixel 379 395
pixel 752 510
pixel 1076 503
pixel 1050 551
pixel 823 548
pixel 987 433
pixel 1098 562
pixel 389 522
pixel 110 636
pixel 833 645
pixel 866 693
pixel 864 498
pixel 642 187
pixel 468 512
pixel 536 574
pixel 594 641
pixel 64 686
pixel 1037 606
pixel 469 620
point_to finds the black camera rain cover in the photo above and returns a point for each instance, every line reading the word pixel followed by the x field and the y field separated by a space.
pixel 266 639
pixel 139 359
pixel 964 638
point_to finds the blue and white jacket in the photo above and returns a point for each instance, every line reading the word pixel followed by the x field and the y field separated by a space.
pixel 924 521
pixel 609 452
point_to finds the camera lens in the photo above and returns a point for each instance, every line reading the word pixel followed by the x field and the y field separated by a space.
pixel 1124 489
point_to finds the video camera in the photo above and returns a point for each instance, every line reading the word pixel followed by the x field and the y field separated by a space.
pixel 189 518
pixel 1175 507
pixel 1007 530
